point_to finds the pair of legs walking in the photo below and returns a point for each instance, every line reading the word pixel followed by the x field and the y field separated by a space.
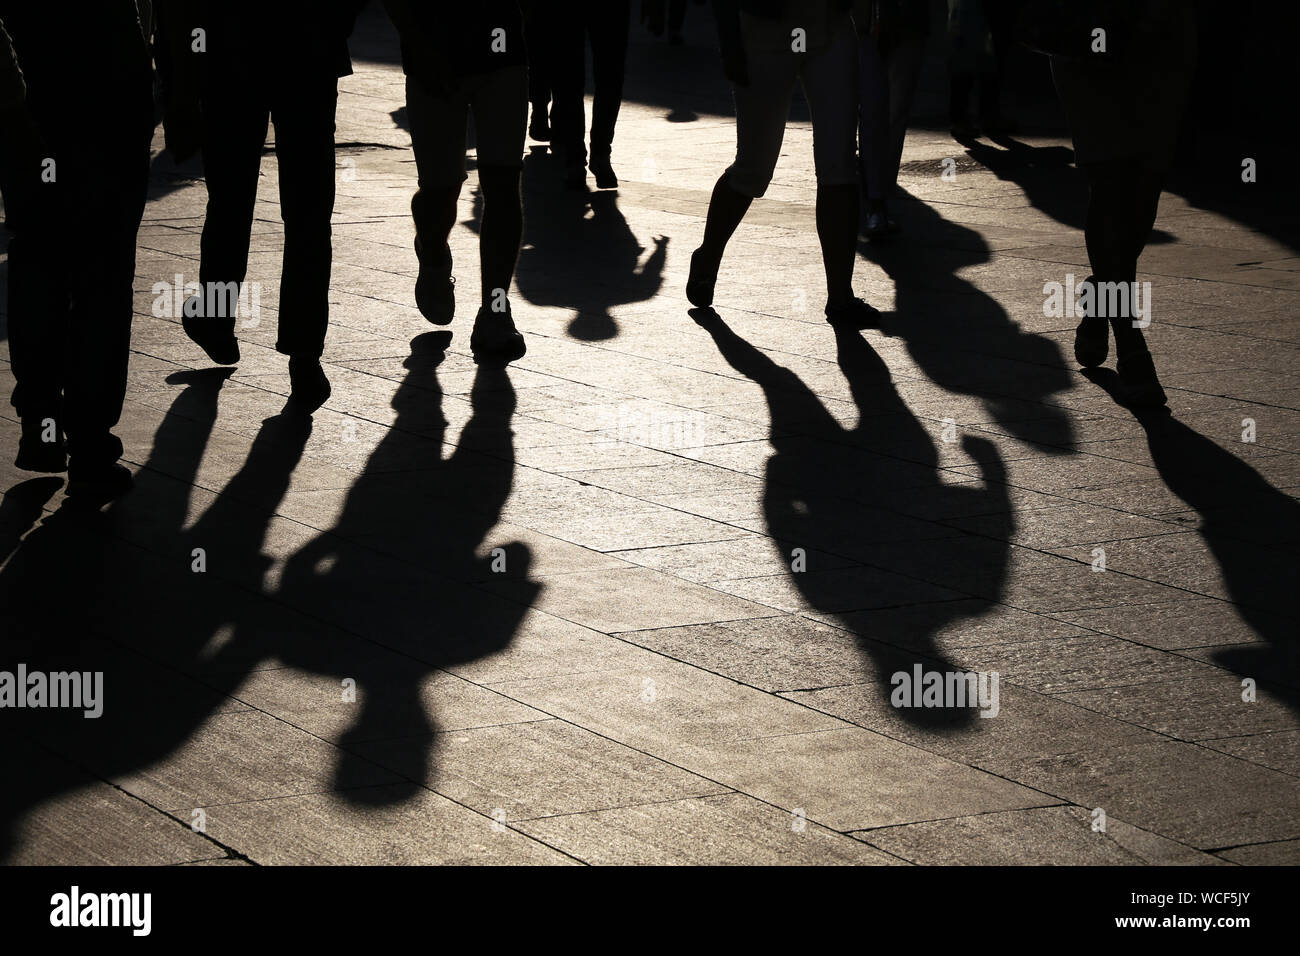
pixel 237 116
pixel 829 80
pixel 70 314
pixel 605 23
pixel 499 104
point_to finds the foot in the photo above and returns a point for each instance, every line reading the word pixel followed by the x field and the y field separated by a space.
pixel 1137 375
pixel 604 173
pixel 700 282
pixel 99 484
pixel 852 313
pixel 495 340
pixel 37 454
pixel 310 387
pixel 1092 337
pixel 539 128
pixel 215 336
pixel 435 291
pixel 879 225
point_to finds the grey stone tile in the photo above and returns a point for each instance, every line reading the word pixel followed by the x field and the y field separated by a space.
pixel 1041 837
pixel 539 769
pixel 726 830
pixel 384 826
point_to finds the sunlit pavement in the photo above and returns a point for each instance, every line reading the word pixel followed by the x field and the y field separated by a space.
pixel 656 593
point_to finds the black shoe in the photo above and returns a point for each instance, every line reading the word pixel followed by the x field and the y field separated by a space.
pixel 495 339
pixel 539 128
pixel 604 173
pixel 1092 337
pixel 1137 375
pixel 37 454
pixel 879 225
pixel 310 387
pixel 435 291
pixel 853 314
pixel 699 284
pixel 100 484
pixel 215 336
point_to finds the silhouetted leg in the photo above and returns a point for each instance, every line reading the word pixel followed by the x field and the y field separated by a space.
pixel 609 22
pixel 837 231
pixel 438 139
pixel 500 105
pixel 829 81
pixel 904 68
pixel 873 122
pixel 568 78
pixel 761 111
pixel 38 307
pixel 235 124
pixel 500 113
pixel 304 145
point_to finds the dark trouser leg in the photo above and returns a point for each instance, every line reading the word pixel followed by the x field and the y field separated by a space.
pixel 568 79
pixel 101 290
pixel 837 231
pixel 235 119
pixel 539 44
pixel 1120 215
pixel 873 120
pixel 500 230
pixel 38 308
pixel 608 22
pixel 304 146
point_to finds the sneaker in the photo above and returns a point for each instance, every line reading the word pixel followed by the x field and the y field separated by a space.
pixel 37 454
pixel 310 387
pixel 700 283
pixel 495 338
pixel 435 291
pixel 852 314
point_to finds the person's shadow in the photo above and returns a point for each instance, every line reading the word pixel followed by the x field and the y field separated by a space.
pixel 829 487
pixel 178 614
pixel 1251 528
pixel 961 337
pixel 579 253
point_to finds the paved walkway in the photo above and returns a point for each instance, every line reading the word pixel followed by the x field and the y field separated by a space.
pixel 639 599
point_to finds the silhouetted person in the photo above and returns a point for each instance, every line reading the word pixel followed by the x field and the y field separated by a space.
pixel 981 33
pixel 891 49
pixel 767 47
pixel 76 131
pixel 462 59
pixel 605 23
pixel 265 63
pixel 1123 102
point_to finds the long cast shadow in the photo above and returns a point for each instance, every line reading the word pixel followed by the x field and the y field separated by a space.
pixel 385 597
pixel 1251 528
pixel 829 487
pixel 961 337
pixel 579 253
